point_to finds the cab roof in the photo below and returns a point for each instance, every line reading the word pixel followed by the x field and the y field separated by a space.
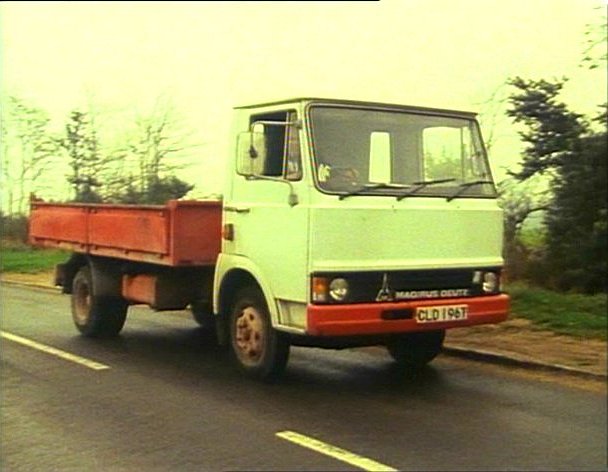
pixel 360 103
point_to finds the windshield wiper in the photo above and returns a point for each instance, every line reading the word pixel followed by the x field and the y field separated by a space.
pixel 420 185
pixel 465 186
pixel 374 186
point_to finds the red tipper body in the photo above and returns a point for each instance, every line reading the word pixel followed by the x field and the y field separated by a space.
pixel 181 233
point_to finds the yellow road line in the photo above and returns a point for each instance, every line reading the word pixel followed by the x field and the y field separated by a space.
pixel 335 452
pixel 54 351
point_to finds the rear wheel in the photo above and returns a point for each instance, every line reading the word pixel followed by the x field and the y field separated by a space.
pixel 95 316
pixel 415 350
pixel 260 350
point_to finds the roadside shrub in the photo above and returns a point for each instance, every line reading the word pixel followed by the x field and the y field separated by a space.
pixel 13 229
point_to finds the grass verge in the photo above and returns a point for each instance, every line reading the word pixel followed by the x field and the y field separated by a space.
pixel 565 313
pixel 30 260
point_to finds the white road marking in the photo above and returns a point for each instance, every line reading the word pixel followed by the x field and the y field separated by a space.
pixel 54 351
pixel 335 452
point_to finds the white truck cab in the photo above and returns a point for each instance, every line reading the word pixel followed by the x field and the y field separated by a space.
pixel 349 223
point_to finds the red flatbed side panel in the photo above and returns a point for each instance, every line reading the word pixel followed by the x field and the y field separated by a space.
pixel 55 223
pixel 179 233
pixel 139 228
pixel 196 229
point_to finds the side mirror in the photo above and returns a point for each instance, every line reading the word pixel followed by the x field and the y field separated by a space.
pixel 251 153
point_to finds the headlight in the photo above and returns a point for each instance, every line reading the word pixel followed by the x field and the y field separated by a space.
pixel 490 282
pixel 338 289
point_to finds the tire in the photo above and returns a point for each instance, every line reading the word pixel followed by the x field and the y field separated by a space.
pixel 95 316
pixel 415 350
pixel 259 350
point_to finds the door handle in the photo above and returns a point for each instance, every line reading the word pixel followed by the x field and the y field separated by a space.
pixel 237 209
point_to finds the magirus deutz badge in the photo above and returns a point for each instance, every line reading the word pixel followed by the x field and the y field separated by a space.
pixel 386 294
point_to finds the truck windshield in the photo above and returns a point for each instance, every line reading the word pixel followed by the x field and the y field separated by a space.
pixel 359 151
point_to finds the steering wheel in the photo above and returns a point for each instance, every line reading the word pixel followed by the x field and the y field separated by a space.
pixel 344 175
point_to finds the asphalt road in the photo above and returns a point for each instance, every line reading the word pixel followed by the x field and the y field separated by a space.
pixel 168 399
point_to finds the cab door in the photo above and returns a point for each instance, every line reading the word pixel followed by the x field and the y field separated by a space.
pixel 270 228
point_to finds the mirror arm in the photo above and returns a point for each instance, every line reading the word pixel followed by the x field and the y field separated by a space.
pixel 292 199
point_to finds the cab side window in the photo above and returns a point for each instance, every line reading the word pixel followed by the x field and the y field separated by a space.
pixel 283 157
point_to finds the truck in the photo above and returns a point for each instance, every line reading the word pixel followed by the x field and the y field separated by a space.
pixel 341 224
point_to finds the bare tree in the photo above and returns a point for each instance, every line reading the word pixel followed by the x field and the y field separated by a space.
pixel 492 113
pixel 158 147
pixel 28 151
pixel 595 52
pixel 518 202
pixel 6 174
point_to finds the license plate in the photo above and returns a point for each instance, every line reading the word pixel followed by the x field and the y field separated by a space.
pixel 439 314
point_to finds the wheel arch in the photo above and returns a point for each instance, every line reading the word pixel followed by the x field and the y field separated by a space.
pixel 236 274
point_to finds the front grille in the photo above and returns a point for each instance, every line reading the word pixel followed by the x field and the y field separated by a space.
pixel 373 286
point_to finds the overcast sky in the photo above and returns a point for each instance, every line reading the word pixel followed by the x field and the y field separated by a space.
pixel 210 56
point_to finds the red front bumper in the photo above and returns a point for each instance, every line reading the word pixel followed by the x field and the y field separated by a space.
pixel 366 318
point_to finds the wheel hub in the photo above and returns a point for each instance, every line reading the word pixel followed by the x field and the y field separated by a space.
pixel 83 304
pixel 249 334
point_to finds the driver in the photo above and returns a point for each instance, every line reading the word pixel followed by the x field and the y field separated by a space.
pixel 338 178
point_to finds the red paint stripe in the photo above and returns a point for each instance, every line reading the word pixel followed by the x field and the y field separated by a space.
pixel 344 320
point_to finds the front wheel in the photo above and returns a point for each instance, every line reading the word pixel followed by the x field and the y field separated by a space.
pixel 95 316
pixel 259 350
pixel 415 350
